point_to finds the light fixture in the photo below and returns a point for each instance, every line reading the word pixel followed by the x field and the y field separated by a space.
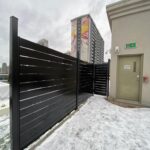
pixel 117 50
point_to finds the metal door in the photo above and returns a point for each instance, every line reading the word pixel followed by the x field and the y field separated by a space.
pixel 129 74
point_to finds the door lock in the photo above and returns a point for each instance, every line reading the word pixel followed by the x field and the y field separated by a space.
pixel 138 77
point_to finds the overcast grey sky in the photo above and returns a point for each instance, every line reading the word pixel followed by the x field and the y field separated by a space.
pixel 50 19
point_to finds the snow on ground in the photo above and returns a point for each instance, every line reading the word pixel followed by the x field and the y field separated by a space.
pixel 4 117
pixel 4 91
pixel 100 125
pixel 4 133
pixel 4 98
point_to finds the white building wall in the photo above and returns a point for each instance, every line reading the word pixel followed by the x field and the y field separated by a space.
pixel 128 29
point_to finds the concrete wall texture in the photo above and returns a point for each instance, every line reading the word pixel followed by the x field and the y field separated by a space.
pixel 130 22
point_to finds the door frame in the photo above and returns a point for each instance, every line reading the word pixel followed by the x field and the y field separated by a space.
pixel 141 76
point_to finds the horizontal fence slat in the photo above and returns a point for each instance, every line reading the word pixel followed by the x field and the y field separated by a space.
pixel 41 62
pixel 37 47
pixel 41 98
pixel 37 69
pixel 43 90
pixel 40 77
pixel 43 83
pixel 43 56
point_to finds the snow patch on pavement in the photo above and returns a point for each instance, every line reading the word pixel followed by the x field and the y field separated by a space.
pixel 100 125
pixel 4 133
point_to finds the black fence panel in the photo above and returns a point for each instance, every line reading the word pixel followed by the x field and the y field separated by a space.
pixel 45 86
pixel 101 81
pixel 85 81
pixel 47 89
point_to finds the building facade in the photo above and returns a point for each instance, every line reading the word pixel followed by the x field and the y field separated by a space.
pixel 130 53
pixel 86 38
pixel 4 69
pixel 43 42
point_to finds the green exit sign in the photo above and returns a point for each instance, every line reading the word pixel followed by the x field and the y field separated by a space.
pixel 131 45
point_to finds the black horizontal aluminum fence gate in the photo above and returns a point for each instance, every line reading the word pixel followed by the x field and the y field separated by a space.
pixel 101 81
pixel 45 86
pixel 85 81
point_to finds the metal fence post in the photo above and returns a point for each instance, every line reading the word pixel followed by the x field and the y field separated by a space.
pixel 14 84
pixel 77 81
pixel 78 60
pixel 94 68
pixel 108 70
